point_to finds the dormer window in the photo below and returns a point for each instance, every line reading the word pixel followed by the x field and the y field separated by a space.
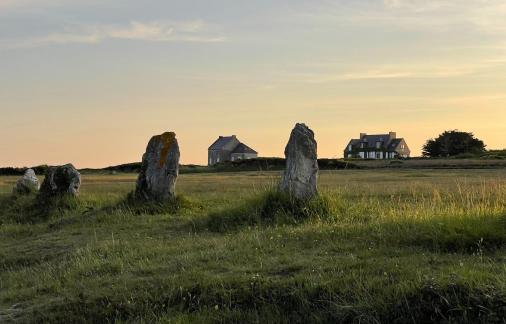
pixel 377 146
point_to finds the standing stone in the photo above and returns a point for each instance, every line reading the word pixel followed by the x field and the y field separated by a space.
pixel 27 184
pixel 300 176
pixel 159 170
pixel 61 180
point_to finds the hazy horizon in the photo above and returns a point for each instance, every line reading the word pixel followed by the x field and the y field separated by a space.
pixel 89 82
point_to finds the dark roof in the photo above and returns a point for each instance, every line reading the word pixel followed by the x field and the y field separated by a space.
pixel 370 141
pixel 353 142
pixel 394 143
pixel 243 148
pixel 221 142
pixel 373 139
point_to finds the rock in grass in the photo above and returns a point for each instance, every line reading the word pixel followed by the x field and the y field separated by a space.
pixel 27 184
pixel 159 169
pixel 300 176
pixel 61 180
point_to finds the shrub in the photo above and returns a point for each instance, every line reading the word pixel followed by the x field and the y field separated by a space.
pixel 452 143
pixel 465 156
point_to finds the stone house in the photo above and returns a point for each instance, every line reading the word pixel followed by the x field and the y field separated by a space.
pixel 381 146
pixel 229 148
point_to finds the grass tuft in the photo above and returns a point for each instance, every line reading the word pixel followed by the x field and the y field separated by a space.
pixel 139 207
pixel 271 208
pixel 30 209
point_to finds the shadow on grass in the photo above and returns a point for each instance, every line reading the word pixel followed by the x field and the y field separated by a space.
pixel 64 210
pixel 145 207
pixel 270 208
pixel 125 209
pixel 282 302
pixel 30 209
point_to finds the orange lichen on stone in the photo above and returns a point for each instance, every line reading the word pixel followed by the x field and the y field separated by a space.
pixel 167 139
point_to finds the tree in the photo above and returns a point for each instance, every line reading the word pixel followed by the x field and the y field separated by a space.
pixel 451 143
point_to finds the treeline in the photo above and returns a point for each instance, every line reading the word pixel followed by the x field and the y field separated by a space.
pixel 494 154
pixel 486 155
pixel 272 164
pixel 40 169
pixel 258 164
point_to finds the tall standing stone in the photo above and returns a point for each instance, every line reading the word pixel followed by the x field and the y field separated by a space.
pixel 300 176
pixel 61 180
pixel 27 184
pixel 159 170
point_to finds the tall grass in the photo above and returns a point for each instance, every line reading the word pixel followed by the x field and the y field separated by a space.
pixel 419 248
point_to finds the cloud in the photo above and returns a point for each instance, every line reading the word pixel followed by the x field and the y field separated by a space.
pixel 22 6
pixel 484 16
pixel 194 31
pixel 399 71
pixel 417 5
pixel 18 4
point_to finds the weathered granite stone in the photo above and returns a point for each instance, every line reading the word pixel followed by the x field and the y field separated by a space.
pixel 159 170
pixel 300 176
pixel 61 180
pixel 27 184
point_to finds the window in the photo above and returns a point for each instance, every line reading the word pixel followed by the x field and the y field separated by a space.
pixel 378 145
pixel 378 155
pixel 362 145
pixel 350 147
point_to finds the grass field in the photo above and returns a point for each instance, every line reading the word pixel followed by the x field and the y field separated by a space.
pixel 396 246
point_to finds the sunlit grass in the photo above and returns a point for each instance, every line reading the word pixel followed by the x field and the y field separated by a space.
pixel 388 246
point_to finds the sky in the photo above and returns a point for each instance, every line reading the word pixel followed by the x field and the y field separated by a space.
pixel 89 82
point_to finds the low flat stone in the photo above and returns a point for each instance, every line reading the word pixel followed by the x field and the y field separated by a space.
pixel 61 180
pixel 301 173
pixel 27 184
pixel 159 169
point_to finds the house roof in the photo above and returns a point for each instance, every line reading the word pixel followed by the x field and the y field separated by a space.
pixel 394 143
pixel 353 142
pixel 373 139
pixel 243 148
pixel 221 142
pixel 388 143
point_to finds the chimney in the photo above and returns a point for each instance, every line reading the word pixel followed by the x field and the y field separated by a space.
pixel 393 135
pixel 362 135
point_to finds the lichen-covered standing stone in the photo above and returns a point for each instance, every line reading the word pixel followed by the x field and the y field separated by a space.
pixel 159 170
pixel 300 176
pixel 61 180
pixel 27 184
